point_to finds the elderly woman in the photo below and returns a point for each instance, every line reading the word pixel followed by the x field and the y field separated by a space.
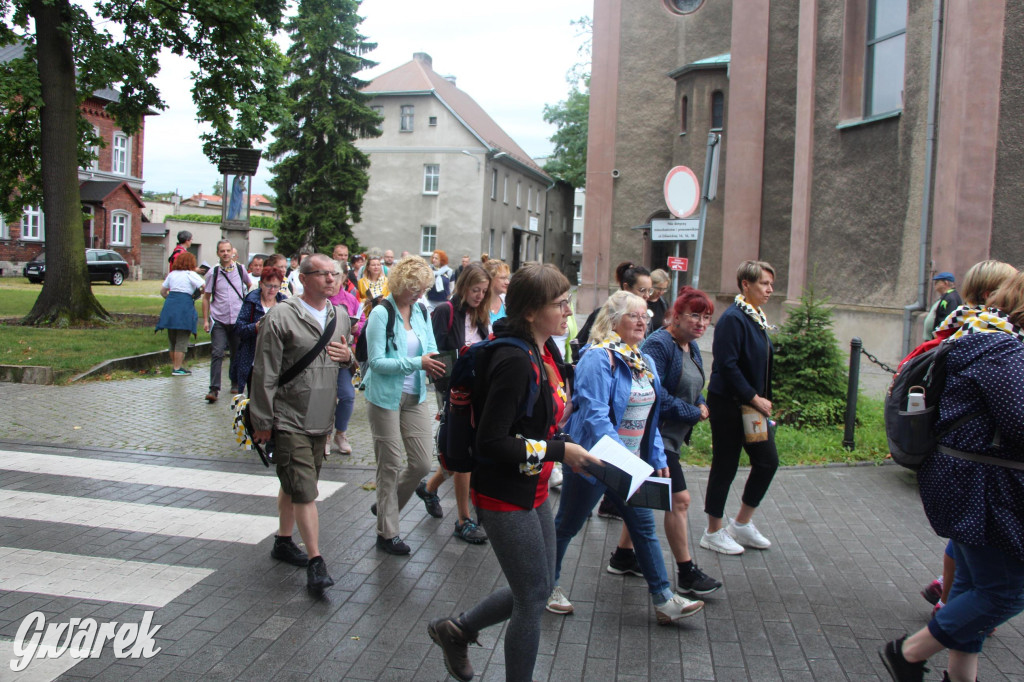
pixel 616 395
pixel 255 305
pixel 441 290
pixel 740 376
pixel 972 489
pixel 399 358
pixel 460 322
pixel 500 275
pixel 347 304
pixel 374 283
pixel 178 315
pixel 510 486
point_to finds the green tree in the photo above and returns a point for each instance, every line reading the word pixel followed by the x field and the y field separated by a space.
pixel 320 176
pixel 68 55
pixel 568 161
pixel 809 378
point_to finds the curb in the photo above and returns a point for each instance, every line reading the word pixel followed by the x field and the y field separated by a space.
pixel 144 361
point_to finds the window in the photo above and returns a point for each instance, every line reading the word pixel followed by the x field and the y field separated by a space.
pixel 33 224
pixel 506 189
pixel 717 109
pixel 428 239
pixel 432 121
pixel 683 104
pixel 119 155
pixel 94 151
pixel 529 198
pixel 683 6
pixel 885 53
pixel 494 183
pixel 577 238
pixel 579 211
pixel 490 242
pixel 519 192
pixel 502 256
pixel 407 114
pixel 378 109
pixel 431 178
pixel 4 232
pixel 120 228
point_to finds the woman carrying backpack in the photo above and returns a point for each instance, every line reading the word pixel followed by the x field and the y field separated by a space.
pixel 972 489
pixel 462 321
pixel 510 487
pixel 400 353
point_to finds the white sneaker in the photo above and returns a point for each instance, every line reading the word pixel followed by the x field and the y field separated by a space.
pixel 747 535
pixel 558 602
pixel 720 541
pixel 677 608
pixel 556 476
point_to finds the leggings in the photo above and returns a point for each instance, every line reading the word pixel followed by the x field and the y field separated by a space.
pixel 346 400
pixel 726 443
pixel 524 544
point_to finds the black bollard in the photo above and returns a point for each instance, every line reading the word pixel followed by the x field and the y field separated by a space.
pixel 851 392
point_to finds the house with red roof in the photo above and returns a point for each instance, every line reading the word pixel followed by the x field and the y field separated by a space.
pixel 444 175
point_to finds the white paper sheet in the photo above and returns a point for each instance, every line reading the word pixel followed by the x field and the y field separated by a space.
pixel 611 451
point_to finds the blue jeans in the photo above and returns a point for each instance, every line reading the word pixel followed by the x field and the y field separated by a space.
pixel 988 591
pixel 346 400
pixel 578 499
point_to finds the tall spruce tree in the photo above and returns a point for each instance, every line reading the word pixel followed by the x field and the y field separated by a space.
pixel 320 176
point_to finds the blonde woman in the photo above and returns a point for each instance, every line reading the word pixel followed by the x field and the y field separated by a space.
pixel 500 276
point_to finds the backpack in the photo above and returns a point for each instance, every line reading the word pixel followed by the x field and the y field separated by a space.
pixel 390 328
pixel 456 435
pixel 911 434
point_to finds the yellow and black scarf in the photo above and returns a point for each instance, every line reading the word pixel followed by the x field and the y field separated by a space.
pixel 633 357
pixel 756 314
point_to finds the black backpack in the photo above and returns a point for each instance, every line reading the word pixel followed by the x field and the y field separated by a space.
pixel 456 435
pixel 389 339
pixel 912 435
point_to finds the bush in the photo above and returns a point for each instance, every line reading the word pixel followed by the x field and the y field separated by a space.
pixel 809 379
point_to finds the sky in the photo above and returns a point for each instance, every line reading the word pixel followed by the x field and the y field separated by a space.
pixel 512 58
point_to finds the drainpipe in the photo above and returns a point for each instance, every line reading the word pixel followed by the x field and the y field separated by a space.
pixel 926 201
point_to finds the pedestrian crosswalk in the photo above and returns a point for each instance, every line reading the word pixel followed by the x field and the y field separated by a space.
pixel 39 488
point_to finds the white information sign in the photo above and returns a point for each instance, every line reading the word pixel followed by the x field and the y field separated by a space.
pixel 674 230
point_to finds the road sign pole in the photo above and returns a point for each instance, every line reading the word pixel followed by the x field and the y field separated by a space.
pixel 713 140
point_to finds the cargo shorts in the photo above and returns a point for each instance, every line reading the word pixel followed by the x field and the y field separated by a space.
pixel 299 457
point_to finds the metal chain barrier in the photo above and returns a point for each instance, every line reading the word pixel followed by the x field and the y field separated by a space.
pixel 878 362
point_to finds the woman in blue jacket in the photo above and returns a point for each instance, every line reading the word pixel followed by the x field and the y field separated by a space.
pixel 616 395
pixel 398 361
pixel 741 376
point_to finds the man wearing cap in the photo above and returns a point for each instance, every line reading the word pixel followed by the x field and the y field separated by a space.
pixel 949 299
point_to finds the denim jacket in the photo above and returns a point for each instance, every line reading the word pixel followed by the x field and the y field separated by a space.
pixel 387 367
pixel 668 359
pixel 600 400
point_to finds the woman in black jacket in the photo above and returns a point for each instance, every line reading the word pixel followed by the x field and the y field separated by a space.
pixel 510 480
pixel 462 321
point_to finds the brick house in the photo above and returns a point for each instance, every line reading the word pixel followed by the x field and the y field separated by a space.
pixel 111 189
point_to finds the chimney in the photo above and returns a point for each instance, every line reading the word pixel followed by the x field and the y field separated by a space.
pixel 423 58
pixel 450 78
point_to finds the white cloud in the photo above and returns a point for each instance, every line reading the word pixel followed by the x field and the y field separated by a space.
pixel 512 58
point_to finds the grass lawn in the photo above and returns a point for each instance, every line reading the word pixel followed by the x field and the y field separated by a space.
pixel 71 351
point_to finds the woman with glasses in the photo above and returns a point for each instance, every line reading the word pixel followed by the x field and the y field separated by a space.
pixel 656 302
pixel 500 276
pixel 617 395
pixel 255 305
pixel 398 360
pixel 510 485
pixel 374 283
pixel 636 279
pixel 741 377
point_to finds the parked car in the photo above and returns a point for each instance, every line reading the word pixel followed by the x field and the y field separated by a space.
pixel 104 266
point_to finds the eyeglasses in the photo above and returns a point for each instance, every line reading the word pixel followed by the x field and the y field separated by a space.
pixel 565 305
pixel 643 291
pixel 415 290
pixel 637 317
pixel 321 273
pixel 698 317
pixel 661 289
pixel 271 287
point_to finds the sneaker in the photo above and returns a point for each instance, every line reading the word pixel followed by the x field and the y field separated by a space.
pixel 607 510
pixel 373 508
pixel 558 602
pixel 430 500
pixel 676 608
pixel 900 668
pixel 211 397
pixel 393 546
pixel 341 442
pixel 623 562
pixel 234 389
pixel 454 645
pixel 555 480
pixel 720 541
pixel 287 551
pixel 317 577
pixel 180 372
pixel 938 605
pixel 469 531
pixel 747 535
pixel 696 583
pixel 933 592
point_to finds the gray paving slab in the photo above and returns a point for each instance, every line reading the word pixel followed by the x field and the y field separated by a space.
pixel 851 551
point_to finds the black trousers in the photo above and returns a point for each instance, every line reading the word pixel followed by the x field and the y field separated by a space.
pixel 726 443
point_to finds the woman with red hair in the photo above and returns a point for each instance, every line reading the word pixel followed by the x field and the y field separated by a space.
pixel 441 291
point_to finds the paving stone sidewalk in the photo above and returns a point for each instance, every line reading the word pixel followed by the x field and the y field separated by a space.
pixel 851 551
